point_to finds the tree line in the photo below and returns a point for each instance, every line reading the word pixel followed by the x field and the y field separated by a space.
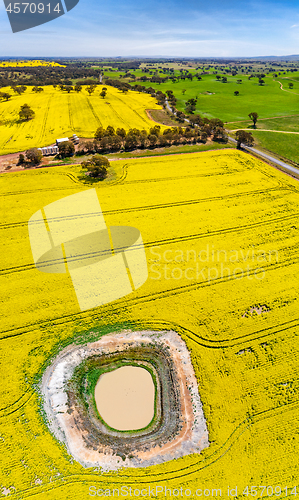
pixel 41 76
pixel 110 140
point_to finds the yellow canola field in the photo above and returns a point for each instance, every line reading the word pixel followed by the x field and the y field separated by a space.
pixel 221 236
pixel 59 114
pixel 22 64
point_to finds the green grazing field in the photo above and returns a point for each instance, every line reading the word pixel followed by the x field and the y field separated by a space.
pixel 217 99
pixel 287 124
pixel 284 145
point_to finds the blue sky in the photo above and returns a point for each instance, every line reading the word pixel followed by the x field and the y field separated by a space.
pixel 187 28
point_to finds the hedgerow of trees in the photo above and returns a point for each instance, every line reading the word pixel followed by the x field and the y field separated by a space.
pixel 110 140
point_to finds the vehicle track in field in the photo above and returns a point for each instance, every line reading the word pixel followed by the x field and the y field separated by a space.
pixel 181 474
pixel 155 207
pixel 70 114
pixel 43 128
pixel 166 241
pixel 117 114
pixel 93 111
pixel 262 119
pixel 16 405
pixel 266 130
pixel 142 118
pixel 131 303
pixel 120 181
pixel 284 90
pixel 28 191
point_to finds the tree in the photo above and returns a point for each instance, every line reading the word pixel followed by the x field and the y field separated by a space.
pixel 131 142
pixel 34 156
pixel 110 131
pixel 78 87
pixel 97 167
pixel 218 77
pixel 180 116
pixel 195 120
pixel 190 106
pixel 183 91
pixel 152 139
pixel 20 90
pixel 245 138
pixel 104 92
pixel 37 89
pixel 5 96
pixel 90 89
pixel 239 81
pixel 155 130
pixel 253 116
pixel 236 92
pixel 21 159
pixel 224 79
pixel 66 148
pixel 121 132
pixel 26 113
pixel 99 134
pixel 291 85
pixel 219 135
pixel 261 81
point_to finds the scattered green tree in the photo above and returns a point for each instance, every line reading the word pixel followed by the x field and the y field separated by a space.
pixel 34 156
pixel 110 131
pixel 180 116
pixel 90 89
pixel 121 132
pixel 236 92
pixel 155 130
pixel 219 135
pixel 291 85
pixel 253 116
pixel 21 159
pixel 20 89
pixel 245 138
pixel 97 167
pixel 5 96
pixel 100 132
pixel 26 113
pixel 37 89
pixel 66 148
pixel 152 139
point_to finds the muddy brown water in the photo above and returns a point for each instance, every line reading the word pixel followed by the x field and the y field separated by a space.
pixel 125 398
